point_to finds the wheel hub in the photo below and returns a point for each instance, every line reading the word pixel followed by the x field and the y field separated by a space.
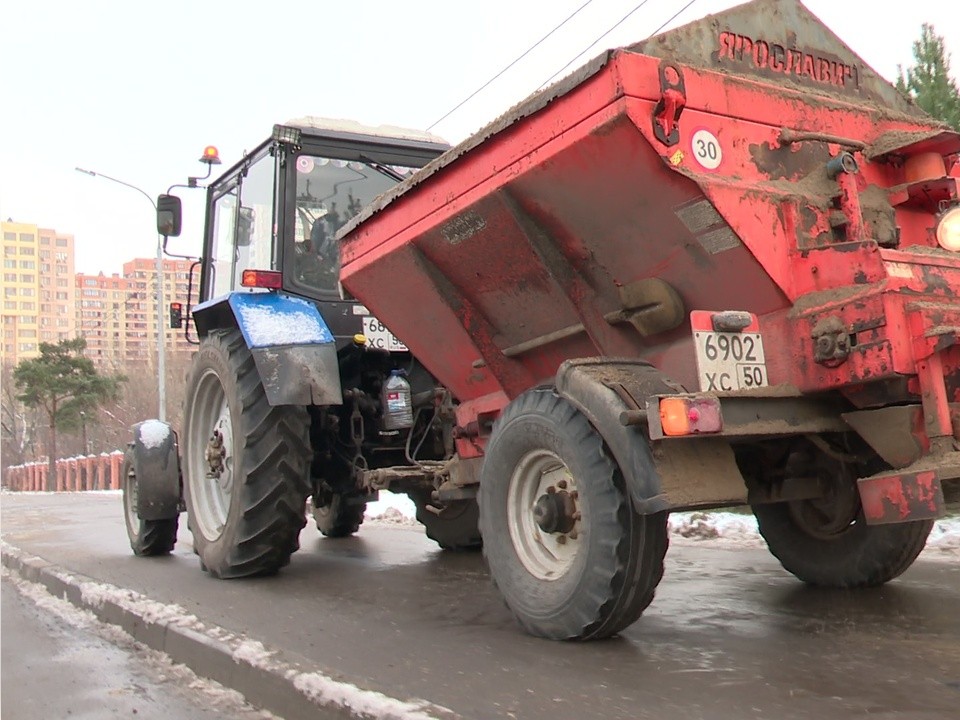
pixel 834 513
pixel 542 503
pixel 554 511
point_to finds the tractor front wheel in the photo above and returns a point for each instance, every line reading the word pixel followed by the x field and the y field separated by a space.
pixel 147 537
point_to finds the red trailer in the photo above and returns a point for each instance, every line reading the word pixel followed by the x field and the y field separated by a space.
pixel 719 267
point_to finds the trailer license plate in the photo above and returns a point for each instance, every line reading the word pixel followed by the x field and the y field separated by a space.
pixel 728 361
pixel 379 337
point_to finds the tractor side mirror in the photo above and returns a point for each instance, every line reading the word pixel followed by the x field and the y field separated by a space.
pixel 245 219
pixel 169 215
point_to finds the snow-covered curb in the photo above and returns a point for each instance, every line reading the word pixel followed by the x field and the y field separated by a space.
pixel 214 652
pixel 219 697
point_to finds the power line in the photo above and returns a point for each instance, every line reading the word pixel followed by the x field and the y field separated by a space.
pixel 518 59
pixel 587 48
pixel 614 27
pixel 674 17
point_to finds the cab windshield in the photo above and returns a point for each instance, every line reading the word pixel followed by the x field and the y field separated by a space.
pixel 329 193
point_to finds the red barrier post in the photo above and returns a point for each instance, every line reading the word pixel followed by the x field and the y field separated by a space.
pixel 115 460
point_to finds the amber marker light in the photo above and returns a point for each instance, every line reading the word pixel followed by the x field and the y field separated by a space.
pixel 270 279
pixel 690 416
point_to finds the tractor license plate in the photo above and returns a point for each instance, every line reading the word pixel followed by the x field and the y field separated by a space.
pixel 379 337
pixel 728 361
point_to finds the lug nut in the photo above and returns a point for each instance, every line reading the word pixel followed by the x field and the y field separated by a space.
pixel 561 539
pixel 551 489
pixel 574 494
pixel 574 534
pixel 576 516
pixel 562 484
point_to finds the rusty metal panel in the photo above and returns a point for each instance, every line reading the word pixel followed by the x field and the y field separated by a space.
pixel 894 498
pixel 779 41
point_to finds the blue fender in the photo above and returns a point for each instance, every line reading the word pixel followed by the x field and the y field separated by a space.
pixel 292 345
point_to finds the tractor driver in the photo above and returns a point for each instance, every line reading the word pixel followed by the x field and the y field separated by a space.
pixel 318 258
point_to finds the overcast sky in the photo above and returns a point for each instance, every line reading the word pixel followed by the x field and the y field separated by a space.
pixel 136 90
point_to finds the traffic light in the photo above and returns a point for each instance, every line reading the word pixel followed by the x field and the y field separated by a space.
pixel 176 315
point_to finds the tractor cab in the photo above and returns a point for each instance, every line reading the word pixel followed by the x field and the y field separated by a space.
pixel 272 218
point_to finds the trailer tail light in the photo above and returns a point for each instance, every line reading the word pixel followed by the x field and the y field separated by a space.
pixel 948 229
pixel 690 416
pixel 270 279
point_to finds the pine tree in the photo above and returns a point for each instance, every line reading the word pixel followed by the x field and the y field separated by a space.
pixel 63 383
pixel 928 81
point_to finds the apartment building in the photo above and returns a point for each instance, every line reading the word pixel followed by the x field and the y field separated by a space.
pixel 141 307
pixel 38 289
pixel 117 314
pixel 101 312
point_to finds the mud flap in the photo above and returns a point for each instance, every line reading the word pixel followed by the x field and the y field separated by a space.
pixel 896 497
pixel 157 467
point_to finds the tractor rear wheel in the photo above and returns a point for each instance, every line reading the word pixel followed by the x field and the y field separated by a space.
pixel 147 537
pixel 571 556
pixel 246 463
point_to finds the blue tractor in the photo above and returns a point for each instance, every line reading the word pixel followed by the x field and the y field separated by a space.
pixel 297 398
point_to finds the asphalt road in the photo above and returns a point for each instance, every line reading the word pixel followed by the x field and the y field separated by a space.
pixel 56 664
pixel 730 635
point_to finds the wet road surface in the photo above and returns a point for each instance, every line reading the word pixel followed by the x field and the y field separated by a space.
pixel 58 666
pixel 730 635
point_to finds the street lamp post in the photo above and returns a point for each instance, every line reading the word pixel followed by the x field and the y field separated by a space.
pixel 161 350
pixel 83 430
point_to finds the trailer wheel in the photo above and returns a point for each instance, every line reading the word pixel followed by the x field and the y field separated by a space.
pixel 147 537
pixel 335 517
pixel 456 527
pixel 245 463
pixel 826 541
pixel 566 548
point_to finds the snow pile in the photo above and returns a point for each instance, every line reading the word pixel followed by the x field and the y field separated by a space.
pixel 727 528
pixel 945 536
pixel 153 433
pixel 391 516
pixel 392 509
pixel 732 530
pixel 366 703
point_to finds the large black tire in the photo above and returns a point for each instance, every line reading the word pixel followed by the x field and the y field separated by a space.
pixel 147 537
pixel 455 528
pixel 860 555
pixel 608 580
pixel 246 520
pixel 336 518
